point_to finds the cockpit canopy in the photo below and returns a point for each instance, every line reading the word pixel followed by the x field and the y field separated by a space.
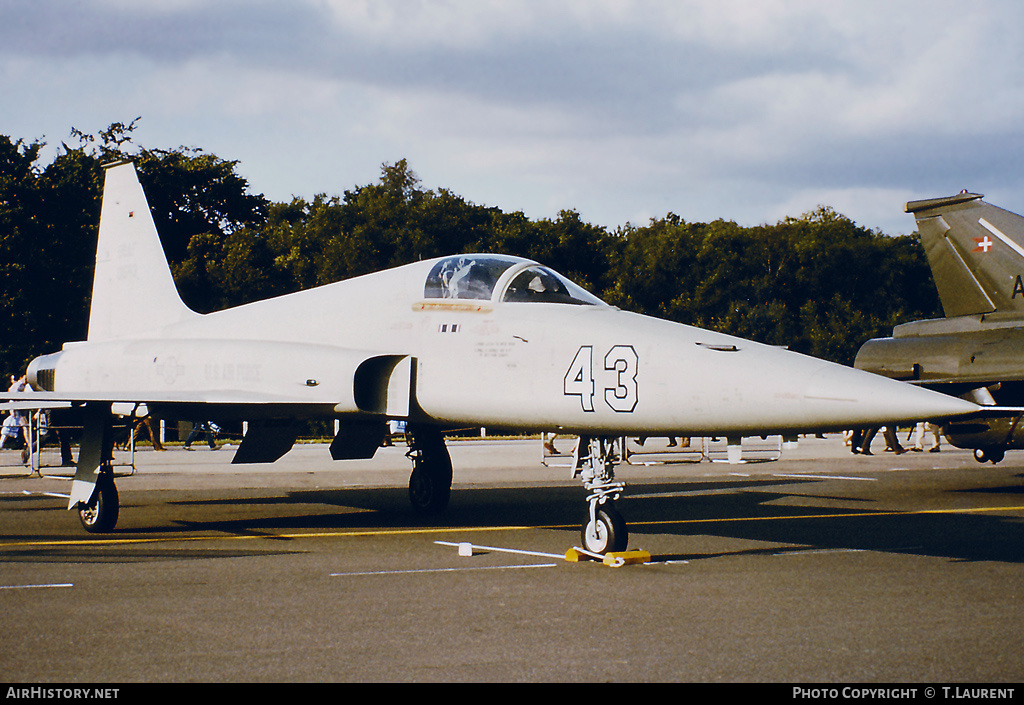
pixel 502 278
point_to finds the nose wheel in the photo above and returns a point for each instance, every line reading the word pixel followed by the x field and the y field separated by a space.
pixel 605 532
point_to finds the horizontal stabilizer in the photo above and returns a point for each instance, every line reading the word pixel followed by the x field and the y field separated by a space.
pixel 929 203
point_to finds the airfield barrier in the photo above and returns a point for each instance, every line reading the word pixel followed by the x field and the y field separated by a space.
pixel 663 450
pixel 557 451
pixel 752 449
pixel 53 449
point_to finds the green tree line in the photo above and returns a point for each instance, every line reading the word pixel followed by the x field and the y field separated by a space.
pixel 817 283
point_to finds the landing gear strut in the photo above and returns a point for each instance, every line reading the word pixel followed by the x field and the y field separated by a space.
pixel 604 530
pixel 430 485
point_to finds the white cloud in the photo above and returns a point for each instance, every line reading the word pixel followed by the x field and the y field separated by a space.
pixel 452 24
pixel 871 205
pixel 620 108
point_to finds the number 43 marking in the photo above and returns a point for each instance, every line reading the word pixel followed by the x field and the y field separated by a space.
pixel 618 378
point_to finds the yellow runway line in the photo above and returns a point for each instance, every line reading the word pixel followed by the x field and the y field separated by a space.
pixel 118 541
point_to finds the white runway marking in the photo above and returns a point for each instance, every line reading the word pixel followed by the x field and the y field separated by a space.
pixel 680 493
pixel 501 550
pixel 803 476
pixel 27 493
pixel 442 570
pixel 798 552
pixel 34 587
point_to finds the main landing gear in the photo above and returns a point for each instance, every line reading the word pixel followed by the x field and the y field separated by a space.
pixel 989 455
pixel 93 493
pixel 430 485
pixel 99 515
pixel 604 530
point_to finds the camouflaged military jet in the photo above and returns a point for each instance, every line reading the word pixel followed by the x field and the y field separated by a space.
pixel 976 254
pixel 466 340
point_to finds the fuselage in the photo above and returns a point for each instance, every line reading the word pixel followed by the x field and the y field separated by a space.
pixel 492 341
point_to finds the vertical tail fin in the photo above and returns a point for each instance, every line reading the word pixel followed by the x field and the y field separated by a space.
pixel 975 251
pixel 133 291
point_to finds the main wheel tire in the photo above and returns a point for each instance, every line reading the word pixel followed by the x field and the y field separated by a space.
pixel 989 455
pixel 430 489
pixel 430 485
pixel 607 533
pixel 100 515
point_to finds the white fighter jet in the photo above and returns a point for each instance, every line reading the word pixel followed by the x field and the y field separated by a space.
pixel 466 340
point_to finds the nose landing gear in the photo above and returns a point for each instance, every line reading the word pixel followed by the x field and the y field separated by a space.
pixel 604 530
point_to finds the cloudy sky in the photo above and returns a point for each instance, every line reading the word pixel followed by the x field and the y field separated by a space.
pixel 748 110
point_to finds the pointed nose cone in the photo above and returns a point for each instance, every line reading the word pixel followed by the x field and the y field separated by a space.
pixel 865 399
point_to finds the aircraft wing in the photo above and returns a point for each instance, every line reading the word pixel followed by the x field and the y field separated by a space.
pixel 270 385
pixel 227 398
pixel 241 379
pixel 21 403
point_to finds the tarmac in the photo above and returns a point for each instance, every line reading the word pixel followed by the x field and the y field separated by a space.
pixel 802 565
